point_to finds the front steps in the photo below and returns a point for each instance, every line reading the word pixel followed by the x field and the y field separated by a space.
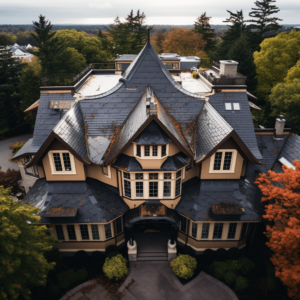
pixel 152 255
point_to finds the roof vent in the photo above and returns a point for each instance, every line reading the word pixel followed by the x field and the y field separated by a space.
pixel 228 67
pixel 279 127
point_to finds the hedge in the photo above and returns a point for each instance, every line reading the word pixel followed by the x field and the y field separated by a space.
pixel 184 266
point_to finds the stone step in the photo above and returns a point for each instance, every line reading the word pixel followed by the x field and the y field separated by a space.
pixel 154 254
pixel 152 258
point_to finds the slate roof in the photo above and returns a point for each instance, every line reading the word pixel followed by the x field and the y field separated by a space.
pixel 240 120
pixel 24 150
pixel 172 163
pixel 71 129
pixel 153 135
pixel 95 201
pixel 198 196
pixel 47 118
pixel 211 129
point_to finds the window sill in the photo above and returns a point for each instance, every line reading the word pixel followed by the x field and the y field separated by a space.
pixel 63 173
pixel 221 172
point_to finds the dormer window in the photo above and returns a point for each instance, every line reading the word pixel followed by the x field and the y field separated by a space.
pixel 62 162
pixel 151 151
pixel 147 150
pixel 223 161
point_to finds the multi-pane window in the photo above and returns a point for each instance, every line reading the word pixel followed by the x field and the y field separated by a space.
pixel 182 224
pixel 232 231
pixel 147 150
pixel 126 175
pixel 178 174
pixel 227 161
pixel 153 176
pixel 163 150
pixel 194 230
pixel 154 150
pixel 244 230
pixel 84 232
pixel 57 162
pixel 95 232
pixel 119 227
pixel 205 231
pixel 172 66
pixel 178 187
pixel 71 232
pixel 153 189
pixel 218 230
pixel 218 160
pixel 127 188
pixel 167 189
pixel 167 175
pixel 107 229
pixel 62 162
pixel 60 232
pixel 139 176
pixel 139 189
pixel 138 150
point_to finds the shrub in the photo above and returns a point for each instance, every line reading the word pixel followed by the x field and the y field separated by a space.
pixel 111 248
pixel 115 267
pixel 81 274
pixel 184 266
pixel 81 255
pixel 241 283
pixel 53 290
pixel 66 279
pixel 16 147
pixel 112 254
pixel 209 255
pixel 272 284
pixel 221 254
pixel 195 74
pixel 233 253
pixel 188 250
pixel 97 257
pixel 219 272
pixel 54 255
pixel 230 278
pixel 246 265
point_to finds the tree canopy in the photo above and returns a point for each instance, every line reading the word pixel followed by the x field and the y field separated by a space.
pixel 284 211
pixel 22 245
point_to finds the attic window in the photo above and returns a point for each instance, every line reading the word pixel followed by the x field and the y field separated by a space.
pixel 61 162
pixel 232 106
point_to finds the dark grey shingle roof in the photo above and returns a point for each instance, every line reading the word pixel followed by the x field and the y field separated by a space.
pixel 211 129
pixel 47 118
pixel 25 149
pixel 240 120
pixel 71 129
pixel 197 197
pixel 95 201
pixel 291 149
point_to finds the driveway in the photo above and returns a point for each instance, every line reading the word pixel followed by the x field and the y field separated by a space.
pixel 6 153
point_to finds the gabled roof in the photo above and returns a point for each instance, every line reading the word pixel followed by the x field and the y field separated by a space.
pixel 240 120
pixel 25 150
pixel 211 130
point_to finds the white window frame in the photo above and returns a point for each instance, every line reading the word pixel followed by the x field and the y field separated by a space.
pixel 232 165
pixel 159 156
pixel 63 172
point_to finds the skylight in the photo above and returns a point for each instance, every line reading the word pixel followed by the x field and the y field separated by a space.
pixel 232 106
pixel 285 162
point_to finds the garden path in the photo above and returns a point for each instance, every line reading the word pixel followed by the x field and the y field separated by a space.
pixel 156 281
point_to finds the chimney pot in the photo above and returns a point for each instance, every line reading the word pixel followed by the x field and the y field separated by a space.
pixel 279 126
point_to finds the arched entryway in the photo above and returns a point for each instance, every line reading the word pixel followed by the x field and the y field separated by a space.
pixel 151 226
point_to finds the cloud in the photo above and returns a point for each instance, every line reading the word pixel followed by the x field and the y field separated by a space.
pixel 105 5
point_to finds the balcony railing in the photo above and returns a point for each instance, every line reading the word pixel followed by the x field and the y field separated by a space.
pixel 151 211
pixel 223 79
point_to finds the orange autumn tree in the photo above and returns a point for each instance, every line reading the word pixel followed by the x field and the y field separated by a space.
pixel 184 42
pixel 284 235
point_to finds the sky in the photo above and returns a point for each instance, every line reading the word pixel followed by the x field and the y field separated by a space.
pixel 173 12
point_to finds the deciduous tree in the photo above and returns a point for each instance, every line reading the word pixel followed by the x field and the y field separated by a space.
pixel 22 248
pixel 283 209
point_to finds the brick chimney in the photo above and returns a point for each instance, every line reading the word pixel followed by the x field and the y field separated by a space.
pixel 279 127
pixel 228 67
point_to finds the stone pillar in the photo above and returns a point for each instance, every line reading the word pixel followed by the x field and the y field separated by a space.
pixel 172 250
pixel 132 251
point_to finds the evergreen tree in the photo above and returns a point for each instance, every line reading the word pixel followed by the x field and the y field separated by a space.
pixel 241 52
pixel 262 17
pixel 22 248
pixel 106 44
pixel 237 28
pixel 203 27
pixel 10 71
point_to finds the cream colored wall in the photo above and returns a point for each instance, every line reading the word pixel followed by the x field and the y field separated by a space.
pixel 236 175
pixel 129 150
pixel 171 203
pixel 151 163
pixel 133 203
pixel 41 171
pixel 95 171
pixel 79 176
pixel 173 149
pixel 191 173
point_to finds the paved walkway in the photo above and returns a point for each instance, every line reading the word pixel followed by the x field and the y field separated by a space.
pixel 156 281
pixel 6 153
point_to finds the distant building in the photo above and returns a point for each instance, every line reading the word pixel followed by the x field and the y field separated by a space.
pixel 20 52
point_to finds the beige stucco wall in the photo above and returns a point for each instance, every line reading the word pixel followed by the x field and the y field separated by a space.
pixel 214 245
pixel 41 171
pixel 171 203
pixel 133 203
pixel 129 150
pixel 173 149
pixel 95 171
pixel 191 173
pixel 236 175
pixel 151 163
